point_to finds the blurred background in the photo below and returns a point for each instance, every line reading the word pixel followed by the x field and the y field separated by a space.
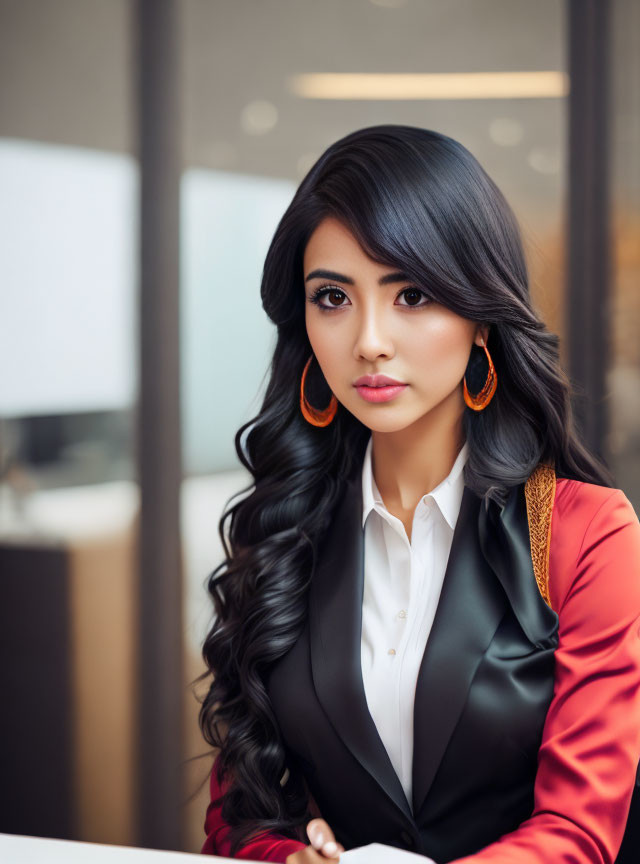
pixel 147 152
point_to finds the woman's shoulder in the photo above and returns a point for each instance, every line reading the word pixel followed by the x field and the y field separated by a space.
pixel 594 531
pixel 577 503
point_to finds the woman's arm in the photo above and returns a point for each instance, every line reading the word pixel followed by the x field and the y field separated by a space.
pixel 590 746
pixel 265 847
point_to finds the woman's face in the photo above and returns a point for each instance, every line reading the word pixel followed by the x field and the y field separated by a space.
pixel 359 326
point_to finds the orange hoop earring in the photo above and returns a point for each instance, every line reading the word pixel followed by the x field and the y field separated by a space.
pixel 480 400
pixel 313 415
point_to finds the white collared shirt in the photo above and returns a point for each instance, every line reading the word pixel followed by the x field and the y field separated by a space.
pixel 402 585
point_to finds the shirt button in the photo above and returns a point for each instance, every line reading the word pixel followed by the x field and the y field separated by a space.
pixel 407 838
pixel 402 613
pixel 391 651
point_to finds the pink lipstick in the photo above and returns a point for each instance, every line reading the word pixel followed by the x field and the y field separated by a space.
pixel 378 388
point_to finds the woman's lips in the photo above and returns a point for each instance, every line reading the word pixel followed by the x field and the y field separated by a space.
pixel 380 394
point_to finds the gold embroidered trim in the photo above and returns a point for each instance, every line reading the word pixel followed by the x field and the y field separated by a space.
pixel 540 492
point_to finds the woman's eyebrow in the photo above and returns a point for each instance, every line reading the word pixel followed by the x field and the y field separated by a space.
pixel 398 276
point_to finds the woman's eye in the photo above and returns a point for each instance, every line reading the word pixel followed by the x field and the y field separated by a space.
pixel 335 296
pixel 413 294
pixel 330 293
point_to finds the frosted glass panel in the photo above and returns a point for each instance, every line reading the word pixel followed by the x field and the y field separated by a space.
pixel 68 223
pixel 227 223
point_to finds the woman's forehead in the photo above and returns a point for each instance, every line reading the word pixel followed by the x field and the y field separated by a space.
pixel 332 245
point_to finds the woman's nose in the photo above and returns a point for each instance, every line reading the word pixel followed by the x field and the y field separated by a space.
pixel 373 337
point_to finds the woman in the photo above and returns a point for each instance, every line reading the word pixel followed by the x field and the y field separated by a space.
pixel 387 665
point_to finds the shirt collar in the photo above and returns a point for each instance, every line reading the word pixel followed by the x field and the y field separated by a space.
pixel 447 494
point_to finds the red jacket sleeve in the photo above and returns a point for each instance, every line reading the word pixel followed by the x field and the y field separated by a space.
pixel 265 847
pixel 590 744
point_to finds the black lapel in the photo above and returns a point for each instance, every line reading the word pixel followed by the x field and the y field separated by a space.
pixel 335 628
pixel 489 570
pixel 503 533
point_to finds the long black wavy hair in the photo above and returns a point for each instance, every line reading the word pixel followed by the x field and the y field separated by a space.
pixel 417 200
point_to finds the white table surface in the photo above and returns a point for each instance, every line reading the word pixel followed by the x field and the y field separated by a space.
pixel 20 849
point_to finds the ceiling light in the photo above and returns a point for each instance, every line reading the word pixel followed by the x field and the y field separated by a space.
pixel 441 85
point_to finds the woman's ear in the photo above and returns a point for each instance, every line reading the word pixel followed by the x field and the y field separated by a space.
pixel 482 334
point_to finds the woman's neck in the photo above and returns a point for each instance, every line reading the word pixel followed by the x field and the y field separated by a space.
pixel 411 462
